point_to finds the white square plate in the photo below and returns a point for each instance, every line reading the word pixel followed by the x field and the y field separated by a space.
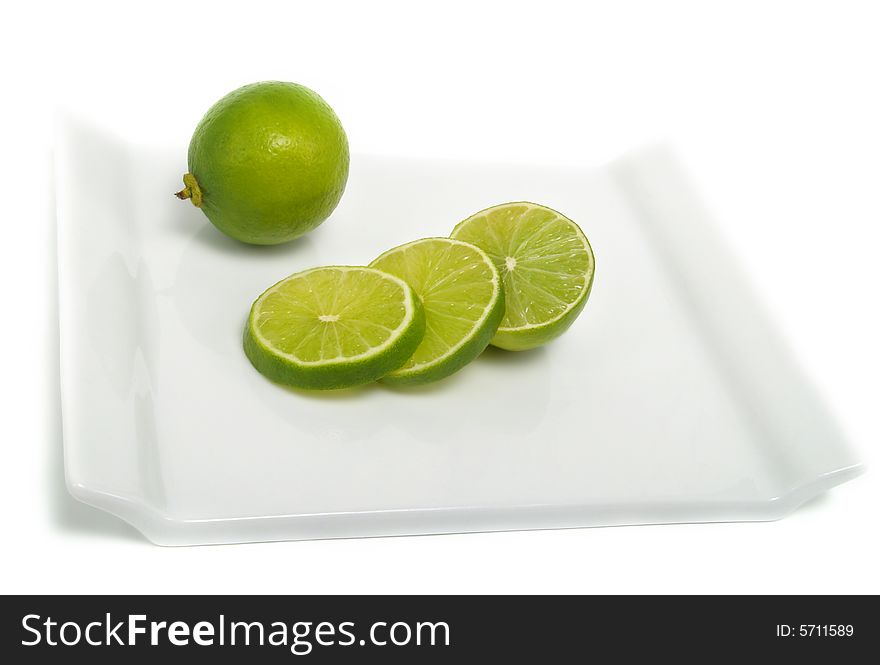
pixel 671 399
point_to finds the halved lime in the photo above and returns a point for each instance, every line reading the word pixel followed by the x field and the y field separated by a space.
pixel 547 266
pixel 463 298
pixel 333 327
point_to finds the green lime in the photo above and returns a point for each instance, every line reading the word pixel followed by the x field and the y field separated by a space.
pixel 333 327
pixel 267 163
pixel 461 292
pixel 547 265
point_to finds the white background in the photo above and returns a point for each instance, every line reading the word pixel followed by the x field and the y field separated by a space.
pixel 774 106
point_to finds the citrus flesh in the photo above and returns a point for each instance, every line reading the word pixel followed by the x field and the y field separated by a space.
pixel 546 264
pixel 463 298
pixel 333 327
pixel 267 163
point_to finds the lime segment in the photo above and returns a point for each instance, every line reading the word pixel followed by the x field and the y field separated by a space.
pixel 463 298
pixel 547 266
pixel 333 327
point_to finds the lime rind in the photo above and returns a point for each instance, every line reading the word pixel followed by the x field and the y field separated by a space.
pixel 271 160
pixel 422 275
pixel 339 371
pixel 516 333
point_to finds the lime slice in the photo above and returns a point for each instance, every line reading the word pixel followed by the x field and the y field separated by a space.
pixel 463 298
pixel 333 327
pixel 547 265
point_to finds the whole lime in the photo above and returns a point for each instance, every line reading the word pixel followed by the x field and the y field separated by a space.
pixel 267 163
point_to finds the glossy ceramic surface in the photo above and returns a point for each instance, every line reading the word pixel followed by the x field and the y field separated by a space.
pixel 671 399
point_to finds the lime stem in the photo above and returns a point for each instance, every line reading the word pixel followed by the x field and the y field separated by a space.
pixel 191 190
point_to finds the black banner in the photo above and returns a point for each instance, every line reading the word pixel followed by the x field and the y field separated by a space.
pixel 434 629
